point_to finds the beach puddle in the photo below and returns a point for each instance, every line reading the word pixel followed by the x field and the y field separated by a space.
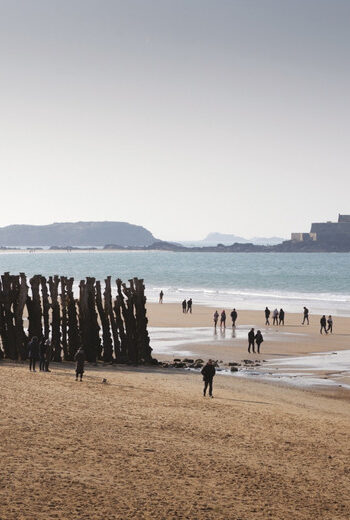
pixel 321 369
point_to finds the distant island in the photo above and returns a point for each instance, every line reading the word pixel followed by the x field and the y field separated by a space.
pixel 76 234
pixel 328 237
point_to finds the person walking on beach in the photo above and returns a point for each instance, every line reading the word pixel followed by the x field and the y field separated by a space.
pixel 161 294
pixel 33 352
pixel 184 305
pixel 80 359
pixel 216 317
pixel 258 340
pixel 267 315
pixel 42 354
pixel 251 339
pixel 330 324
pixel 323 324
pixel 306 315
pixel 189 306
pixel 275 317
pixel 208 373
pixel 234 317
pixel 281 317
pixel 223 320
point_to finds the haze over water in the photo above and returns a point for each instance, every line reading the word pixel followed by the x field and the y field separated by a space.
pixel 245 280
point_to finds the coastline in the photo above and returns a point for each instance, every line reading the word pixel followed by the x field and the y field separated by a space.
pixel 178 335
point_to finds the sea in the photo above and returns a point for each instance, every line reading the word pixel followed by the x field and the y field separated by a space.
pixel 321 281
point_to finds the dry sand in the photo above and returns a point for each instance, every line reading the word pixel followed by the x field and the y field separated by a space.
pixel 147 445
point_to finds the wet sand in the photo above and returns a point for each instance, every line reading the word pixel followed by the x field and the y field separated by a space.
pixel 147 445
pixel 292 339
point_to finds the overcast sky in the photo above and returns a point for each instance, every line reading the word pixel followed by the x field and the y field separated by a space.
pixel 184 116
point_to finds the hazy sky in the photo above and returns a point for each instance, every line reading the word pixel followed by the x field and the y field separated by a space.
pixel 185 116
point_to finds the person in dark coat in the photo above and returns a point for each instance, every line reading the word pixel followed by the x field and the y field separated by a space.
pixel 48 355
pixel 80 359
pixel 42 355
pixel 189 306
pixel 281 317
pixel 323 324
pixel 234 317
pixel 251 339
pixel 184 305
pixel 215 318
pixel 258 340
pixel 267 315
pixel 330 324
pixel 33 352
pixel 223 320
pixel 161 294
pixel 208 373
pixel 306 316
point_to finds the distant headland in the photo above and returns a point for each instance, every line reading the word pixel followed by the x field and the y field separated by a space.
pixel 121 236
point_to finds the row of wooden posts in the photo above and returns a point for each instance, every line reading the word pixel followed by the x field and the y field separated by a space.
pixel 109 330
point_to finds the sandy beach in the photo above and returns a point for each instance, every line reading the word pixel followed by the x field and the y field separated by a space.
pixel 147 445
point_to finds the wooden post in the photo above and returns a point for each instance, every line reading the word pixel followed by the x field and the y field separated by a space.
pixel 21 337
pixel 63 300
pixel 107 296
pixel 46 306
pixel 56 318
pixel 106 333
pixel 73 328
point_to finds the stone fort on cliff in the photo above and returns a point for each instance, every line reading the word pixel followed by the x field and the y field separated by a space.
pixel 327 232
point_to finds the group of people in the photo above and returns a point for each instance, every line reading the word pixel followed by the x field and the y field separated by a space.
pixel 233 315
pixel 254 339
pixel 326 324
pixel 39 350
pixel 277 316
pixel 42 351
pixel 187 306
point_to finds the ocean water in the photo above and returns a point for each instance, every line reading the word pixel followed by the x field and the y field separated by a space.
pixel 321 281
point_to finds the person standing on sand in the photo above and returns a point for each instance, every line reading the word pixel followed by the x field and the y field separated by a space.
pixel 189 306
pixel 323 324
pixel 33 352
pixel 234 317
pixel 161 294
pixel 208 373
pixel 258 340
pixel 267 315
pixel 281 317
pixel 306 315
pixel 251 339
pixel 330 324
pixel 223 320
pixel 275 317
pixel 80 359
pixel 184 305
pixel 42 354
pixel 48 355
pixel 216 317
